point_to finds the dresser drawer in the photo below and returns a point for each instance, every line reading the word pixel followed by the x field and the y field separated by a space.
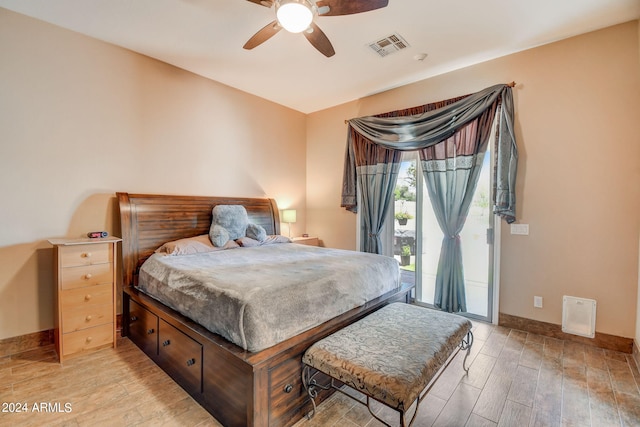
pixel 76 255
pixel 86 317
pixel 181 357
pixel 86 339
pixel 77 277
pixel 73 299
pixel 143 329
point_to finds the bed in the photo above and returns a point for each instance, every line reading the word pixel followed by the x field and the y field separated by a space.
pixel 239 387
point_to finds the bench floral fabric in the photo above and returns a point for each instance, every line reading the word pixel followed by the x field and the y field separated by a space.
pixel 392 354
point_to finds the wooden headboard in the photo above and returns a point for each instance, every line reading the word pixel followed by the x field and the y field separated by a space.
pixel 149 220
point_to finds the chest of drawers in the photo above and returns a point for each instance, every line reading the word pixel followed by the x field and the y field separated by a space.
pixel 85 304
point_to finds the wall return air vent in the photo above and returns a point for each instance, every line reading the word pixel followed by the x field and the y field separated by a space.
pixel 389 44
pixel 579 316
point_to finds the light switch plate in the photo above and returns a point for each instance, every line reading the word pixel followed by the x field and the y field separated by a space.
pixel 521 229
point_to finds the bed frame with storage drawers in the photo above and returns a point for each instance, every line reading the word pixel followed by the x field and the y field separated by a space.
pixel 239 388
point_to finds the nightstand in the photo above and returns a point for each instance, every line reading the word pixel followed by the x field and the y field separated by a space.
pixel 85 295
pixel 309 241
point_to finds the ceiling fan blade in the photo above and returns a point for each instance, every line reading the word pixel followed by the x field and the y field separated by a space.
pixel 263 35
pixel 319 40
pixel 349 7
pixel 265 3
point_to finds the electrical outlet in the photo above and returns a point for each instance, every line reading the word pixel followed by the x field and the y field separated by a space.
pixel 537 302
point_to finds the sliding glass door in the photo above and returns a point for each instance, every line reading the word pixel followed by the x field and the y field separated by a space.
pixel 417 242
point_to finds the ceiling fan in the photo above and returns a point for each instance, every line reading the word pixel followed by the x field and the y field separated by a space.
pixel 297 16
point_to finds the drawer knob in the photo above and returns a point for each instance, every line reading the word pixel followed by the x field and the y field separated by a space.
pixel 89 339
pixel 88 276
pixel 150 331
pixel 166 343
pixel 288 388
pixel 86 255
pixel 134 318
pixel 87 297
pixel 88 318
pixel 191 362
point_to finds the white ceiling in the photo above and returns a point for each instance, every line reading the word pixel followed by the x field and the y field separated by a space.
pixel 206 37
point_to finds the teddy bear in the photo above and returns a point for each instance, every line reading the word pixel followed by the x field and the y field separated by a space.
pixel 231 222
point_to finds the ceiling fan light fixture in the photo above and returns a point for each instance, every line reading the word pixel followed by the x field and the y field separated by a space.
pixel 294 16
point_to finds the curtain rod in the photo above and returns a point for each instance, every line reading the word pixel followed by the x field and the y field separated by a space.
pixel 511 84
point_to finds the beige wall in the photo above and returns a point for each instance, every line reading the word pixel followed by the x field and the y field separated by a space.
pixel 637 338
pixel 577 106
pixel 81 119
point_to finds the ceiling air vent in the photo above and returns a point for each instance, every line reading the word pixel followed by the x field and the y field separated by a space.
pixel 388 45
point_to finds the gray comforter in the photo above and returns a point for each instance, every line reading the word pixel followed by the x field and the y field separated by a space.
pixel 257 297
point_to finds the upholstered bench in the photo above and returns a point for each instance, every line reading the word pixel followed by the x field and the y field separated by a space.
pixel 392 355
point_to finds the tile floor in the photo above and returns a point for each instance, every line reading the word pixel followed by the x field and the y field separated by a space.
pixel 515 379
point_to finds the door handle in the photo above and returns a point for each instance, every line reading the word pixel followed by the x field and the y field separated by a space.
pixel 490 236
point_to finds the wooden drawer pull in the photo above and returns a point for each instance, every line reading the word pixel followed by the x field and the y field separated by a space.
pixel 89 339
pixel 86 255
pixel 288 388
pixel 191 362
pixel 88 276
pixel 87 297
pixel 150 331
pixel 166 343
pixel 88 318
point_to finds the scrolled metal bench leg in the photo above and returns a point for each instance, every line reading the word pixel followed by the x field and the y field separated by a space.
pixel 311 386
pixel 401 412
pixel 466 344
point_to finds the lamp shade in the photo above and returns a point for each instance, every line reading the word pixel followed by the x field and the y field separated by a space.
pixel 289 216
pixel 294 15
